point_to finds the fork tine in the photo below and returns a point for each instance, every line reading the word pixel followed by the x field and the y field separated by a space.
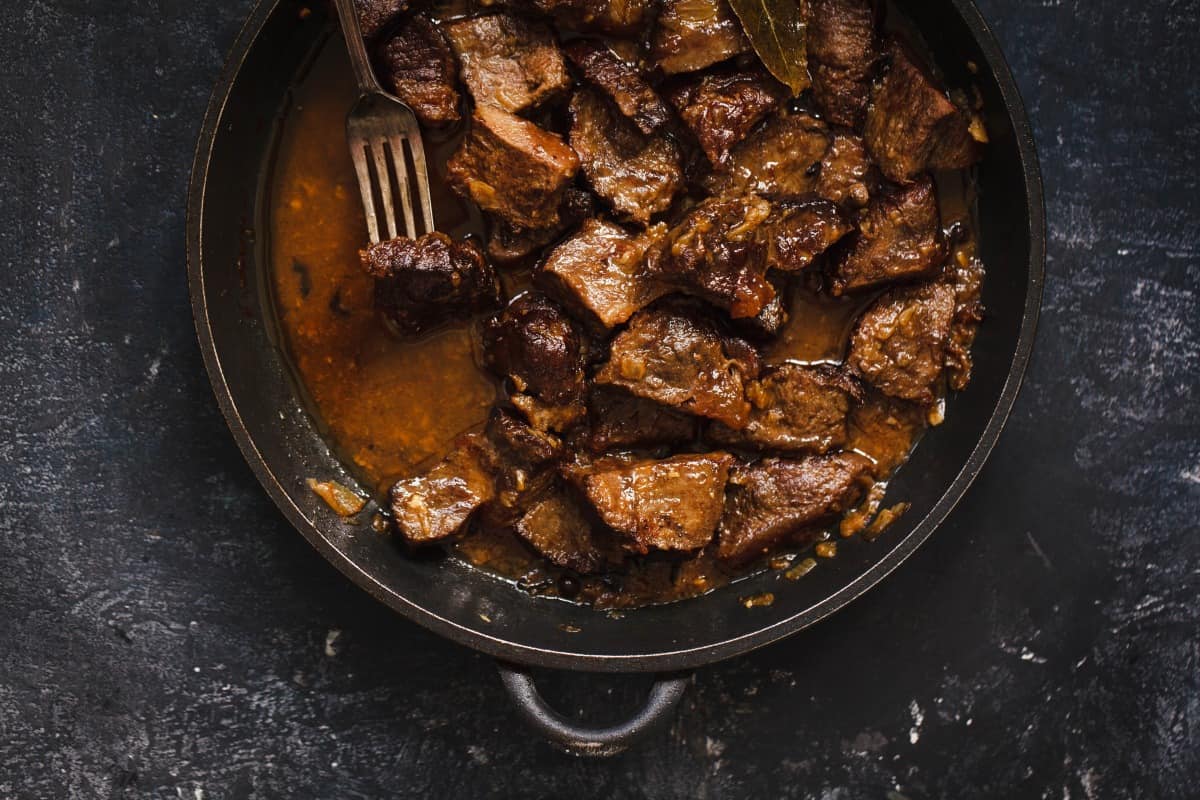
pixel 418 155
pixel 404 189
pixel 379 150
pixel 359 156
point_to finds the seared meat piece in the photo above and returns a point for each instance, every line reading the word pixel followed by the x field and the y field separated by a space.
pixel 513 169
pixel 794 155
pixel 419 68
pixel 912 124
pixel 771 320
pixel 898 239
pixel 795 409
pixel 621 82
pixel 423 283
pixel 717 252
pixel 538 348
pixel 673 504
pixel 777 498
pixel 557 527
pixel 375 15
pixel 621 421
pixel 520 445
pixel 519 461
pixel 605 16
pixel 842 50
pixel 694 34
pixel 846 174
pixel 638 175
pixel 508 62
pixel 437 503
pixel 799 233
pixel 601 269
pixel 507 244
pixel 899 345
pixel 967 276
pixel 779 160
pixel 680 359
pixel 722 107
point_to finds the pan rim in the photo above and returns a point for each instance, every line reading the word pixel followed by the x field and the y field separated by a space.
pixel 684 658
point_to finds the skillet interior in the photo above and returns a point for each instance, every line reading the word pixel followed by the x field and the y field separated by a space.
pixel 227 272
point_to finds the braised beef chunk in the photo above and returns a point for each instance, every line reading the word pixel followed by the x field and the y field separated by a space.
pixel 508 62
pixel 694 34
pixel 423 283
pixel 680 359
pixel 603 16
pixel 898 239
pixel 912 125
pixel 795 155
pixel 419 68
pixel 781 159
pixel 520 446
pixel 557 527
pixel 842 51
pixel 621 82
pixel 508 244
pixel 967 278
pixel 846 175
pixel 777 498
pixel 601 270
pixel 800 232
pixel 375 15
pixel 519 461
pixel 771 320
pixel 437 503
pixel 899 345
pixel 795 409
pixel 673 504
pixel 717 252
pixel 622 421
pixel 536 346
pixel 722 107
pixel 638 175
pixel 513 169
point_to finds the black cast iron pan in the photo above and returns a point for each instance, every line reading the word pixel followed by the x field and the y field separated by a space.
pixel 226 265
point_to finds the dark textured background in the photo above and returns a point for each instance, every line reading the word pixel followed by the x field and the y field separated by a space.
pixel 164 633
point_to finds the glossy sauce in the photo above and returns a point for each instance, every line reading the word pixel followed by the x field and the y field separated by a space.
pixel 389 407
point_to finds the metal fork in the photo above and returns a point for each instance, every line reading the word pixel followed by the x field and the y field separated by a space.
pixel 377 129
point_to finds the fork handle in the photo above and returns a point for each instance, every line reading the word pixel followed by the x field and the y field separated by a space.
pixel 364 73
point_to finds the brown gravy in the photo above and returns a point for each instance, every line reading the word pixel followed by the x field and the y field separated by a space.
pixel 389 407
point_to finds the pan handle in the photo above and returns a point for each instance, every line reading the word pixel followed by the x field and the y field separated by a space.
pixel 583 740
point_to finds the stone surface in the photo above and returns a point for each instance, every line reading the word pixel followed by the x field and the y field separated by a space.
pixel 165 634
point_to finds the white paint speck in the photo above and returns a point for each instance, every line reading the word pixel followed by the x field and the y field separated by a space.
pixel 1191 475
pixel 75 286
pixel 1091 783
pixel 1029 655
pixel 918 717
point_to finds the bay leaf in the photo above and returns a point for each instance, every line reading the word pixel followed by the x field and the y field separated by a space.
pixel 777 32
